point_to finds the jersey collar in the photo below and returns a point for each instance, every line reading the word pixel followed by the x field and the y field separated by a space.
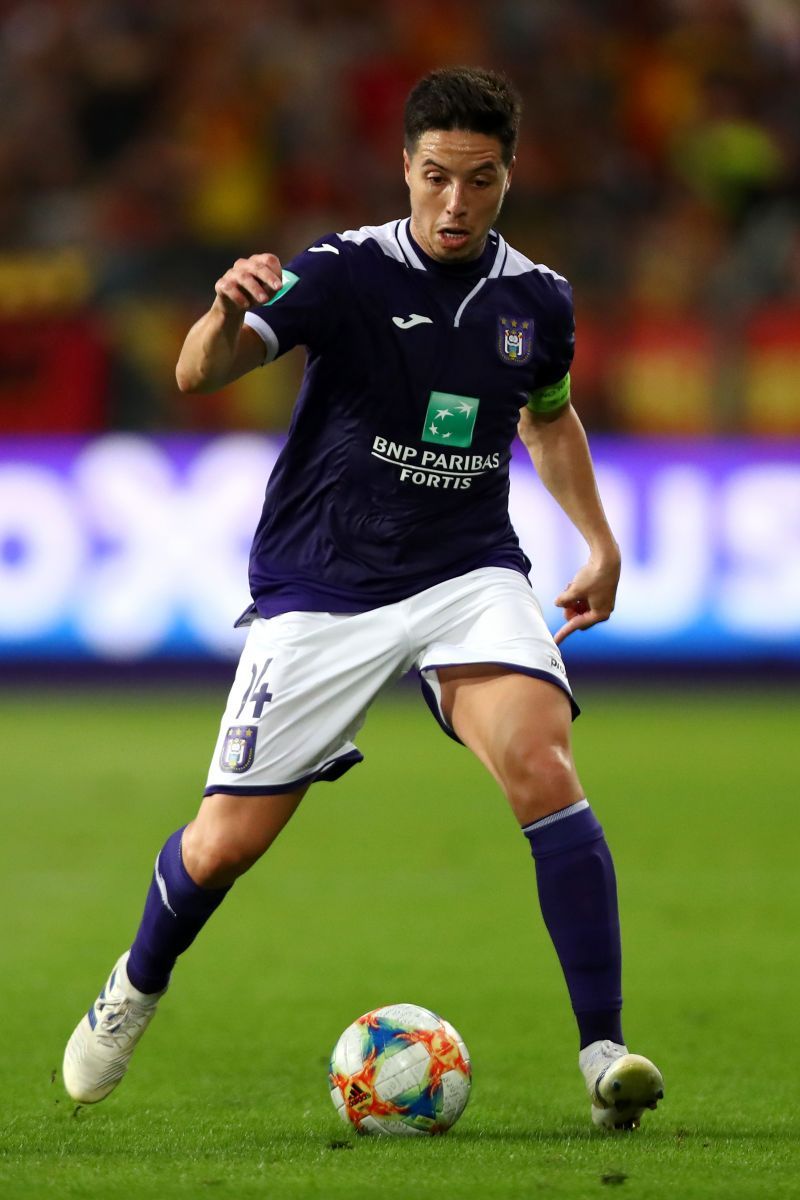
pixel 488 266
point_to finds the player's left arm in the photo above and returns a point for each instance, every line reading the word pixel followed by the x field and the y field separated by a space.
pixel 556 442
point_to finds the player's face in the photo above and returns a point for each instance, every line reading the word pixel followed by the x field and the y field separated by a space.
pixel 456 181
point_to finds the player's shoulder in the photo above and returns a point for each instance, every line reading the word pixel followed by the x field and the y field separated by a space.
pixel 551 287
pixel 387 241
pixel 353 252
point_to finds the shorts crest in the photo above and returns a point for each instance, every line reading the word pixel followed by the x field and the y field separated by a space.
pixel 239 748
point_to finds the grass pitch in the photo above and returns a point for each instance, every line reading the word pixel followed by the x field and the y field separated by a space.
pixel 405 881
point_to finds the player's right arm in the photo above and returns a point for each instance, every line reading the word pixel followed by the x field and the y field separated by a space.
pixel 220 347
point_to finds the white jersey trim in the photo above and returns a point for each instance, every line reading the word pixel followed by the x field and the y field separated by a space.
pixel 384 235
pixel 500 258
pixel 517 264
pixel 404 238
pixel 470 296
pixel 394 240
pixel 266 333
pixel 496 269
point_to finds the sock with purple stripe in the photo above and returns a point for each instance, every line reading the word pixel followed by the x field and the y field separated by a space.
pixel 578 898
pixel 175 911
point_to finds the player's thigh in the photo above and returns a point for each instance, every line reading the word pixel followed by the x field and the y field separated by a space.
pixel 231 831
pixel 519 726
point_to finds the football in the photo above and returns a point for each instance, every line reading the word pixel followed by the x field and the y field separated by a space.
pixel 400 1069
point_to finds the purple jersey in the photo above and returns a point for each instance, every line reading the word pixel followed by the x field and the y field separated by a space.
pixel 394 476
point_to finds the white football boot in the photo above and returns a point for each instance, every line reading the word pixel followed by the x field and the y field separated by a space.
pixel 98 1053
pixel 621 1085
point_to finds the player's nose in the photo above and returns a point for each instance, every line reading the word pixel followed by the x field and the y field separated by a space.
pixel 456 204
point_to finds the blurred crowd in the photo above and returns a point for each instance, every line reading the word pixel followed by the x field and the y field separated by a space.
pixel 144 146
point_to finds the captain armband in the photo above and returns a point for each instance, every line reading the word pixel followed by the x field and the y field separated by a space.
pixel 551 398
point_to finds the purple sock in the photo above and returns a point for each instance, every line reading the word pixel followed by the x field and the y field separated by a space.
pixel 175 911
pixel 578 896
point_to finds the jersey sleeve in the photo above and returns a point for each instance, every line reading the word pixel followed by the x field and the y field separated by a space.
pixel 556 337
pixel 305 312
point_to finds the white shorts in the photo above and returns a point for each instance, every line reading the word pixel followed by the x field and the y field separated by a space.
pixel 306 679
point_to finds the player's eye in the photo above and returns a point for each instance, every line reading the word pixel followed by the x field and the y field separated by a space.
pixel 434 178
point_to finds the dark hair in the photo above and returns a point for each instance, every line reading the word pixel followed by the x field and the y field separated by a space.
pixel 464 98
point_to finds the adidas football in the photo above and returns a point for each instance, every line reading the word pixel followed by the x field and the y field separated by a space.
pixel 400 1069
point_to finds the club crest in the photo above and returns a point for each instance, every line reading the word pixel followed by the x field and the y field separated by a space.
pixel 514 339
pixel 238 749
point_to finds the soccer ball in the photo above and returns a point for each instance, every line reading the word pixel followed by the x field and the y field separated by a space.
pixel 400 1069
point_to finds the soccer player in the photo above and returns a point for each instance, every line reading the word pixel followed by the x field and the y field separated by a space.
pixel 385 544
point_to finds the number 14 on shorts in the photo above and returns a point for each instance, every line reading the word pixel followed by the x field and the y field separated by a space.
pixel 257 693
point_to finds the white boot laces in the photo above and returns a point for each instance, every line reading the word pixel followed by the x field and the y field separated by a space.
pixel 119 1021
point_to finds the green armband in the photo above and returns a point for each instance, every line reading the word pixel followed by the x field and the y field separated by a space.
pixel 550 398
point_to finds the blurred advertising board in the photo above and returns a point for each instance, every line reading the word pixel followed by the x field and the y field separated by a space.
pixel 134 549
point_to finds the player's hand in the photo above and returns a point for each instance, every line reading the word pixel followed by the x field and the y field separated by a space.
pixel 248 283
pixel 589 599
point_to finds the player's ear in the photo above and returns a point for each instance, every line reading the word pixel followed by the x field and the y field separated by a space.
pixel 406 165
pixel 511 166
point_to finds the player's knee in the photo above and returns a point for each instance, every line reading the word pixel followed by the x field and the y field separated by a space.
pixel 540 779
pixel 217 857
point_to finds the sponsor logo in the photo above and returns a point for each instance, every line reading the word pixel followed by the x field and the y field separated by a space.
pixel 358 1097
pixel 326 246
pixel 162 887
pixel 557 664
pixel 238 749
pixel 514 339
pixel 450 419
pixel 410 321
pixel 434 468
pixel 289 280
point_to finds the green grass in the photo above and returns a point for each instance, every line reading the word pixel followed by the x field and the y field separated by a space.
pixel 407 880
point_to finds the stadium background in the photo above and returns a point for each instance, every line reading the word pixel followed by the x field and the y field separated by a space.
pixel 144 147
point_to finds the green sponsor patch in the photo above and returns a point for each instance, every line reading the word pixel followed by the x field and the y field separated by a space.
pixel 450 419
pixel 289 280
pixel 548 399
